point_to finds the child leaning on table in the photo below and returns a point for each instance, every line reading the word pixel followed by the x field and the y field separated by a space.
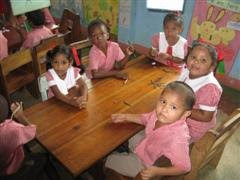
pixel 169 47
pixel 64 80
pixel 106 59
pixel 14 163
pixel 199 75
pixel 166 134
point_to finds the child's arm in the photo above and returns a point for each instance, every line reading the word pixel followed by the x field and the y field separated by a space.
pixel 65 98
pixel 113 73
pixel 154 171
pixel 17 110
pixel 119 118
pixel 201 115
pixel 119 65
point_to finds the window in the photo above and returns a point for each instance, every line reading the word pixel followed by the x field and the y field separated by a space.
pixel 172 5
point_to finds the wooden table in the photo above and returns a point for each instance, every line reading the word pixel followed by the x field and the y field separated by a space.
pixel 78 138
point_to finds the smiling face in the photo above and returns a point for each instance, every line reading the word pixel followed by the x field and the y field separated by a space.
pixel 170 107
pixel 61 64
pixel 199 62
pixel 99 36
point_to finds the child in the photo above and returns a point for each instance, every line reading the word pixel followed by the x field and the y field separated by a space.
pixel 14 163
pixel 39 31
pixel 169 47
pixel 166 134
pixel 198 74
pixel 106 58
pixel 3 43
pixel 64 80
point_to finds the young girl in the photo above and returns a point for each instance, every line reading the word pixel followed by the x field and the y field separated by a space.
pixel 166 134
pixel 38 32
pixel 64 80
pixel 198 74
pixel 169 47
pixel 106 58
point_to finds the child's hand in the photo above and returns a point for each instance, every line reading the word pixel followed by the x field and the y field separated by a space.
pixel 81 101
pixel 149 173
pixel 153 52
pixel 122 75
pixel 118 118
pixel 130 50
pixel 17 109
pixel 164 56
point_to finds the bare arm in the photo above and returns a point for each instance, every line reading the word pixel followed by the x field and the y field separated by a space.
pixel 18 113
pixel 119 118
pixel 113 73
pixel 119 65
pixel 82 88
pixel 154 171
pixel 65 98
pixel 201 115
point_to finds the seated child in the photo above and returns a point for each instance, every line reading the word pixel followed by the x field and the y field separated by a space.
pixel 169 47
pixel 3 43
pixel 64 80
pixel 106 58
pixel 39 31
pixel 198 74
pixel 14 163
pixel 166 134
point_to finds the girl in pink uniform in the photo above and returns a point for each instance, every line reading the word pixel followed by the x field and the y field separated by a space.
pixel 169 47
pixel 166 134
pixel 64 80
pixel 198 74
pixel 39 31
pixel 106 59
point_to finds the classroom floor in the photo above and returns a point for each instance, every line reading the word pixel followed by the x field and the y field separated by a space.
pixel 229 163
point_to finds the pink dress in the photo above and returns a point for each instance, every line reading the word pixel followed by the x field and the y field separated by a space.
pixel 12 138
pixel 99 61
pixel 208 93
pixel 170 140
pixel 3 46
pixel 35 36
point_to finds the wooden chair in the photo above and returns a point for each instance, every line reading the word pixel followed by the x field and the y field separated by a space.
pixel 84 58
pixel 40 51
pixel 208 150
pixel 70 22
pixel 16 71
pixel 80 46
pixel 40 66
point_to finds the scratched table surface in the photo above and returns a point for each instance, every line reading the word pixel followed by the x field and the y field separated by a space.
pixel 78 138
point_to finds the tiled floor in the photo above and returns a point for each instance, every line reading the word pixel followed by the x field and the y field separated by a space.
pixel 229 163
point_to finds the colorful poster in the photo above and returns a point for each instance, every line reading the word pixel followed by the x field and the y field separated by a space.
pixel 218 25
pixel 106 10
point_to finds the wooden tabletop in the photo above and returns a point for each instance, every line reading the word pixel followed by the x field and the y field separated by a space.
pixel 78 138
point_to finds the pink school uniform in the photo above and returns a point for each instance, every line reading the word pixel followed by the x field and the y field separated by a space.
pixel 63 85
pixel 36 35
pixel 178 50
pixel 12 138
pixel 3 46
pixel 208 93
pixel 170 140
pixel 99 61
